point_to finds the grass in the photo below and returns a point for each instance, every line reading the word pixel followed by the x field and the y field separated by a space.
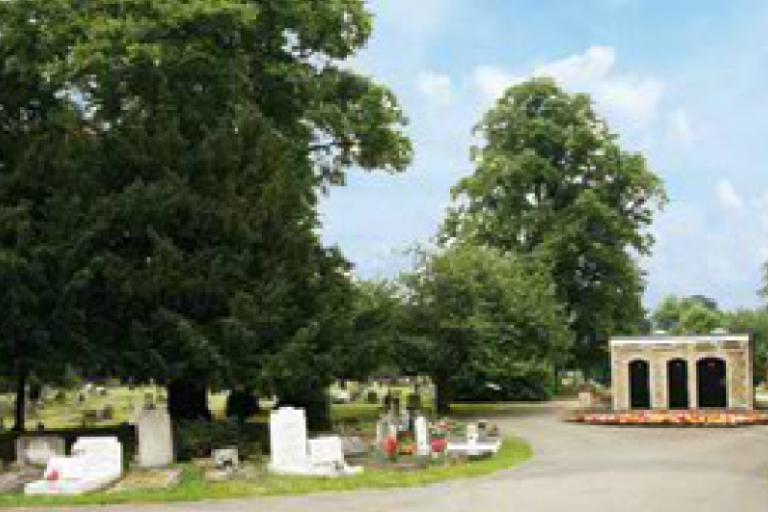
pixel 194 488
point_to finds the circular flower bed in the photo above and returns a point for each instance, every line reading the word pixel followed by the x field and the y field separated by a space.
pixel 673 418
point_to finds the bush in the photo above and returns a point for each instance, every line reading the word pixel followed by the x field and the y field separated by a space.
pixel 413 402
pixel 198 439
pixel 241 405
pixel 535 385
pixel 372 397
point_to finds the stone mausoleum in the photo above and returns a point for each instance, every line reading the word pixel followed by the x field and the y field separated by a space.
pixel 664 372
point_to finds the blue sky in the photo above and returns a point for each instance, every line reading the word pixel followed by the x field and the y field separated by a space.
pixel 684 82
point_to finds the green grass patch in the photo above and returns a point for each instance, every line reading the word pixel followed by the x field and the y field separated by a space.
pixel 194 488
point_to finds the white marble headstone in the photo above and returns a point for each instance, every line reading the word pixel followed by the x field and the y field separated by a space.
pixel 96 462
pixel 155 438
pixel 422 436
pixel 288 440
pixel 325 451
pixel 473 433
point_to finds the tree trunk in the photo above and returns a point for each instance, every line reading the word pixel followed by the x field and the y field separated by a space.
pixel 442 395
pixel 188 400
pixel 21 399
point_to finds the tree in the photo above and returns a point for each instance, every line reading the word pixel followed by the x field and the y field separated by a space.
pixel 755 323
pixel 552 182
pixel 475 310
pixel 688 315
pixel 375 330
pixel 198 136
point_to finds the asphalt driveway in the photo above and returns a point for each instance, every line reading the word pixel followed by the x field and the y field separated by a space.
pixel 576 468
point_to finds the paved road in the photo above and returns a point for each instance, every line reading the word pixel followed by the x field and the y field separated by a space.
pixel 576 468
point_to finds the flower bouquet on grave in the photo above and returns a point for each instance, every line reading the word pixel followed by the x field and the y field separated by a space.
pixel 390 447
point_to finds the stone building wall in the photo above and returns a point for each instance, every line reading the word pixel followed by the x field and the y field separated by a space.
pixel 737 354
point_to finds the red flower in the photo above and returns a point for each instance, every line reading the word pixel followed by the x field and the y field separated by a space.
pixel 390 446
pixel 439 445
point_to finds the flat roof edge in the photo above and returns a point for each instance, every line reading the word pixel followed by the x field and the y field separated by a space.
pixel 699 338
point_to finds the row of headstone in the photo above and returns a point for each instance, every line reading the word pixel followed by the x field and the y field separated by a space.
pixel 293 453
pixel 388 427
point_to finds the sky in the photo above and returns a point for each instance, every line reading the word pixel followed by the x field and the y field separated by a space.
pixel 683 82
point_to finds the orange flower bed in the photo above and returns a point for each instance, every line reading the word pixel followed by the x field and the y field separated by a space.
pixel 673 418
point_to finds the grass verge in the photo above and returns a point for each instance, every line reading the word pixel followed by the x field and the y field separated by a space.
pixel 194 488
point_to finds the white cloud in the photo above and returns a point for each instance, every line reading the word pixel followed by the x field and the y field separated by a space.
pixel 436 87
pixel 491 82
pixel 728 196
pixel 581 71
pixel 631 100
pixel 679 130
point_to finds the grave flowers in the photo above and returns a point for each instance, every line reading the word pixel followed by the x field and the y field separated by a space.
pixel 390 447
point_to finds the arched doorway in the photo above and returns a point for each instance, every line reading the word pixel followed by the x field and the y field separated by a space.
pixel 677 384
pixel 639 385
pixel 712 384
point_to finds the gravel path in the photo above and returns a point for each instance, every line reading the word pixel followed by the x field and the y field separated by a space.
pixel 576 468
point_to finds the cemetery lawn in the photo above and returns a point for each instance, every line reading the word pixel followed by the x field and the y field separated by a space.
pixel 193 487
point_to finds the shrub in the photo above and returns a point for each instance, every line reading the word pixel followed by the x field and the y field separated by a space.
pixel 241 405
pixel 198 439
pixel 413 402
pixel 372 397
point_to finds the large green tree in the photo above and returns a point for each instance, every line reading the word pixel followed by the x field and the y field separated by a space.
pixel 203 132
pixel 551 181
pixel 473 310
pixel 755 323
pixel 689 315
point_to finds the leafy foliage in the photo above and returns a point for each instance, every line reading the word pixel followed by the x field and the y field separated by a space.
pixel 475 311
pixel 688 315
pixel 552 182
pixel 165 159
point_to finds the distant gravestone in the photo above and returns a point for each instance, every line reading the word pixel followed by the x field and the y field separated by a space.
pixel 473 433
pixel 226 459
pixel 586 400
pixel 39 450
pixel 155 438
pixel 422 436
pixel 288 440
pixel 385 428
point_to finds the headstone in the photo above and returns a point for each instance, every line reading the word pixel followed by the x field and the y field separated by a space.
pixel 326 451
pixel 293 453
pixel 473 433
pixel 226 459
pixel 288 440
pixel 38 451
pixel 422 436
pixel 353 446
pixel 96 463
pixel 382 431
pixel 155 439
